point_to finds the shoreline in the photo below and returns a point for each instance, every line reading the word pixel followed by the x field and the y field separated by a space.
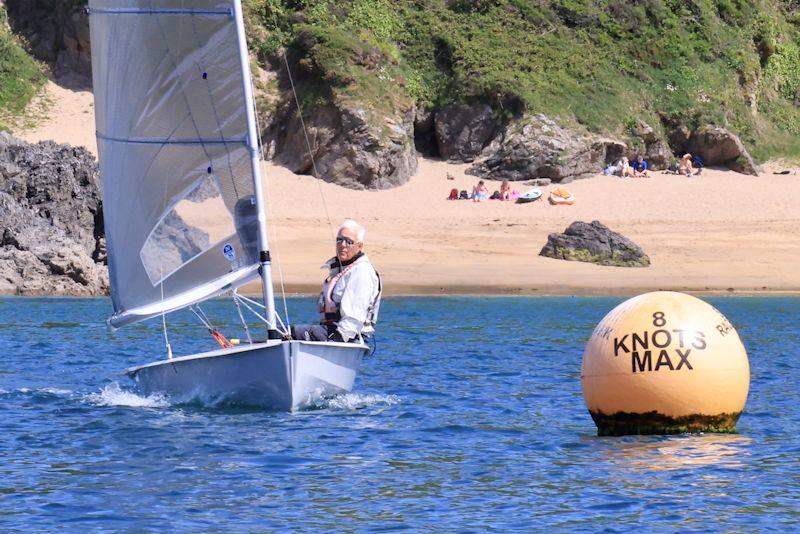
pixel 720 233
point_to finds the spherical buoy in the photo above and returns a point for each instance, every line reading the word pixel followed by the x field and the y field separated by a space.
pixel 664 363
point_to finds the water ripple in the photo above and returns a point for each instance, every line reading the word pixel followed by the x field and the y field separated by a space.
pixel 457 423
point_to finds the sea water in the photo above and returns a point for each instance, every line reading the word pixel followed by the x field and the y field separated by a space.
pixel 469 416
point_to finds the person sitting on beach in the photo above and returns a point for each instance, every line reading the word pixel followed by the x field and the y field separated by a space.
pixel 640 167
pixel 625 168
pixel 480 192
pixel 685 165
pixel 505 190
pixel 351 294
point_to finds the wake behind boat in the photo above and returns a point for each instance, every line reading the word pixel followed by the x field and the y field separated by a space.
pixel 177 136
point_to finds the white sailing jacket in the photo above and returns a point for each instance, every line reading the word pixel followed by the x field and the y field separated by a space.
pixel 350 297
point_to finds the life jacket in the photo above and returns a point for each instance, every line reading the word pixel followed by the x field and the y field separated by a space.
pixel 329 309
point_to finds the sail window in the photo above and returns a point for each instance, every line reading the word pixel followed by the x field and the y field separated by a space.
pixel 196 223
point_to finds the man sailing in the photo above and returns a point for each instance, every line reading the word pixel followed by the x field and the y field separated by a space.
pixel 350 297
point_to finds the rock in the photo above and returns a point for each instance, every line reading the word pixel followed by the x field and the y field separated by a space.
pixel 463 130
pixel 352 147
pixel 58 33
pixel 678 137
pixel 594 243
pixel 717 146
pixel 537 147
pixel 52 239
pixel 656 151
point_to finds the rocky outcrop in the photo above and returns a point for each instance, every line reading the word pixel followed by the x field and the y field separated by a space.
pixel 463 130
pixel 51 217
pixel 58 33
pixel 717 146
pixel 656 150
pixel 594 243
pixel 538 147
pixel 351 146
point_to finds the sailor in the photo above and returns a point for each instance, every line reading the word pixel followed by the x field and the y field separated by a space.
pixel 350 297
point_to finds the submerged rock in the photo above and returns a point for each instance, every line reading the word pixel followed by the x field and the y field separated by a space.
pixel 52 239
pixel 594 243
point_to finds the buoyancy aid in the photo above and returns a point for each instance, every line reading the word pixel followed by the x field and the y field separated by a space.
pixel 329 308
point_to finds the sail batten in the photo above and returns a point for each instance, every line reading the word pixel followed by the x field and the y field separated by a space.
pixel 156 11
pixel 169 141
pixel 175 153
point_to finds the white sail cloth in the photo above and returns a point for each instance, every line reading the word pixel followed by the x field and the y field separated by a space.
pixel 170 108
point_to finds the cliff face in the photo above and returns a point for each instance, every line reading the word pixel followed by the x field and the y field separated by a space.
pixel 51 219
pixel 58 34
pixel 380 81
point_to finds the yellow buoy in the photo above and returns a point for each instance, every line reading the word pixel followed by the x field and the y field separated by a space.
pixel 664 363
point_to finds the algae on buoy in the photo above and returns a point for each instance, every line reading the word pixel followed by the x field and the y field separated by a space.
pixel 664 363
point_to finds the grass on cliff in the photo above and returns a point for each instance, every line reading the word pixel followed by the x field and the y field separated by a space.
pixel 603 63
pixel 21 77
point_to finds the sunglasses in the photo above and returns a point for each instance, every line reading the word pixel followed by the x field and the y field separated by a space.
pixel 347 240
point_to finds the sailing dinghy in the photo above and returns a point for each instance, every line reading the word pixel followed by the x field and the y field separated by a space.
pixel 182 195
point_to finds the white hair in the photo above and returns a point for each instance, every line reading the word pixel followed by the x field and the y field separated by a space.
pixel 351 224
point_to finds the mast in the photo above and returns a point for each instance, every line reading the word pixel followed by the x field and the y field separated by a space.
pixel 265 268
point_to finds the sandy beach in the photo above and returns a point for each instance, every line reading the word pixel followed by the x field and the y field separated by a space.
pixel 718 232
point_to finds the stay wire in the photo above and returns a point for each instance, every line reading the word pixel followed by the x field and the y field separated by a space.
pixel 274 227
pixel 305 136
pixel 241 318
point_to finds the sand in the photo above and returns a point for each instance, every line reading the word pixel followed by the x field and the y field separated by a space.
pixel 718 232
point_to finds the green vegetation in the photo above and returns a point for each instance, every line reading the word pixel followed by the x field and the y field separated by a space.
pixel 603 63
pixel 20 76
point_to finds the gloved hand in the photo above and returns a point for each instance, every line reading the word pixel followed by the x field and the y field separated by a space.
pixel 336 336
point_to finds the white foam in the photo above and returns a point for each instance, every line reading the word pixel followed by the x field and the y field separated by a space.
pixel 56 391
pixel 114 395
pixel 358 401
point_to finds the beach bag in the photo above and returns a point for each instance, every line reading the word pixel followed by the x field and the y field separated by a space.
pixel 463 195
pixel 697 161
pixel 453 194
pixel 495 196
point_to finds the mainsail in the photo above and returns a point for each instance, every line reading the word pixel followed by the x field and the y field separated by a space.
pixel 176 156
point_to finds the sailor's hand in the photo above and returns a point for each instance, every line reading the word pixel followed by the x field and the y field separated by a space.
pixel 336 336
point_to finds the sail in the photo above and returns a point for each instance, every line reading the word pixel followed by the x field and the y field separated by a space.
pixel 175 164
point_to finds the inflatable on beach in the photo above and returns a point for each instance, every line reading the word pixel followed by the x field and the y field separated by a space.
pixel 561 197
pixel 664 363
pixel 529 196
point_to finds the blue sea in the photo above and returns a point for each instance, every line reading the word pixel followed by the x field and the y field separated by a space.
pixel 468 417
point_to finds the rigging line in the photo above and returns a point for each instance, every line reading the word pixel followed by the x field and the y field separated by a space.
pixel 308 145
pixel 241 317
pixel 284 330
pixel 202 319
pixel 275 241
pixel 164 314
pixel 305 136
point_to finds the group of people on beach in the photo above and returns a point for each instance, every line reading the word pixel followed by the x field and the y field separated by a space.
pixel 480 192
pixel 686 166
pixel 624 168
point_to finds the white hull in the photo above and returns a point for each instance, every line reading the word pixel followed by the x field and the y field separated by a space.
pixel 284 375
